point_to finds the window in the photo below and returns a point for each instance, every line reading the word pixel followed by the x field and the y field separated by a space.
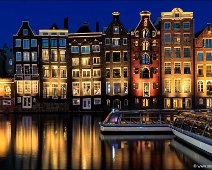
pixel 145 102
pixel 86 73
pixel 136 100
pixel 107 73
pixel 136 70
pixel 96 60
pixel 75 61
pixel 27 87
pixel 62 33
pixel 156 86
pixel 55 90
pixel 18 42
pixel 76 101
pixel 200 70
pixel 208 56
pixel 46 72
pixel 45 42
pixel 85 49
pixel 125 102
pixel 167 103
pixel 115 41
pixel 176 38
pixel 146 91
pixel 145 46
pixel 63 90
pixel 45 55
pixel 25 31
pixel 75 73
pixel 125 72
pixel 116 57
pixel 85 61
pixel 177 83
pixel 167 68
pixel 145 33
pixel 45 33
pixel 25 44
pixel 34 56
pixel 62 42
pixel 135 85
pixel 46 90
pixel 96 73
pixel 34 69
pixel 33 43
pixel 207 43
pixel 54 72
pixel 97 101
pixel 167 25
pixel 167 38
pixel 19 86
pixel 26 56
pixel 167 86
pixel 199 56
pixel 95 48
pixel 186 37
pixel 54 42
pixel 62 56
pixel 125 87
pixel 75 49
pixel 187 52
pixel 167 52
pixel 125 54
pixel 97 88
pixel 116 30
pixel 54 57
pixel 200 86
pixel 186 25
pixel 209 70
pixel 54 33
pixel 177 69
pixel 187 68
pixel 117 73
pixel 187 85
pixel 117 88
pixel 63 72
pixel 177 103
pixel 188 102
pixel 34 86
pixel 76 88
pixel 124 41
pixel 107 41
pixel 86 86
pixel 10 62
pixel 107 56
pixel 18 56
pixel 209 87
pixel 145 59
pixel 144 73
pixel 108 88
pixel 176 52
pixel 176 25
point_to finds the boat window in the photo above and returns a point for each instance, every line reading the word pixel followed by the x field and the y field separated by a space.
pixel 130 118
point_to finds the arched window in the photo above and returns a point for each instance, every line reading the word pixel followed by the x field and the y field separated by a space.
pixel 108 102
pixel 144 59
pixel 209 87
pixel 145 46
pixel 144 73
pixel 145 102
pixel 145 33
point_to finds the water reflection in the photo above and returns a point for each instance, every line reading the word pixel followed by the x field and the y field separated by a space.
pixel 75 142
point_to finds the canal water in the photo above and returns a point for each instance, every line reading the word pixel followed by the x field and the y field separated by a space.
pixel 61 141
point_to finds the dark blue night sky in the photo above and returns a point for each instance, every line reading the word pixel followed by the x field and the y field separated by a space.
pixel 42 14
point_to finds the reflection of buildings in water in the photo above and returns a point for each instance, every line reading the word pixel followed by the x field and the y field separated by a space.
pixel 5 137
pixel 26 143
pixel 54 151
pixel 186 153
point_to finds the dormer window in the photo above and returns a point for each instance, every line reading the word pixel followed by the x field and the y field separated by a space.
pixel 116 30
pixel 25 31
pixel 177 15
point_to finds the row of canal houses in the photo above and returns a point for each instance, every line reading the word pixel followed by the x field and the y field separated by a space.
pixel 160 65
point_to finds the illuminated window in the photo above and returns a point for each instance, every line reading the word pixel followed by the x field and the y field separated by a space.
pixel 27 87
pixel 199 56
pixel 208 70
pixel 46 90
pixel 116 30
pixel 96 73
pixel 200 101
pixel 176 38
pixel 200 86
pixel 108 102
pixel 97 88
pixel 155 85
pixel 54 56
pixel 167 51
pixel 167 38
pixel 167 103
pixel 145 33
pixel 176 52
pixel 62 56
pixel 145 46
pixel 86 73
pixel 136 100
pixel 45 55
pixel 76 88
pixel 54 72
pixel 125 87
pixel 187 53
pixel 167 86
pixel 200 70
pixel 18 56
pixel 187 68
pixel 107 56
pixel 186 25
pixel 26 56
pixel 117 73
pixel 75 73
pixel 208 56
pixel 125 54
pixel 25 44
pixel 209 87
pixel 115 41
pixel 208 102
pixel 54 42
pixel 55 90
pixel 63 90
pixel 63 72
pixel 108 88
pixel 34 69
pixel 45 42
pixel 95 48
pixel 86 88
pixel 188 102
pixel 75 49
pixel 34 86
pixel 18 42
pixel 107 41
pixel 146 90
pixel 167 25
pixel 177 103
pixel 34 56
pixel 117 88
pixel 125 72
pixel 76 101
pixel 187 85
pixel 145 102
pixel 96 60
pixel 75 61
pixel 186 37
pixel 85 49
pixel 176 25
pixel 97 101
pixel 46 71
pixel 145 59
pixel 177 83
pixel 62 42
pixel 19 86
pixel 107 73
pixel 86 61
pixel 177 69
pixel 33 43
pixel 116 57
pixel 124 41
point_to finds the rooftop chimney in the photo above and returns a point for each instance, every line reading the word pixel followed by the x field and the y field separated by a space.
pixel 145 14
pixel 66 23
pixel 116 15
pixel 97 26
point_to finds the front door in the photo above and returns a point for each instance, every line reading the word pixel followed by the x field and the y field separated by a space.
pixel 27 102
pixel 86 103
